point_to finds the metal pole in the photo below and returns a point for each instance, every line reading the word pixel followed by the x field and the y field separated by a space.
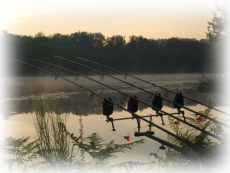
pixel 120 72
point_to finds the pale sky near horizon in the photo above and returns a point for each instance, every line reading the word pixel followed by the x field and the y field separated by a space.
pixel 149 18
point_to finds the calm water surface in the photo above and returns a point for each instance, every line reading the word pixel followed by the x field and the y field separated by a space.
pixel 24 93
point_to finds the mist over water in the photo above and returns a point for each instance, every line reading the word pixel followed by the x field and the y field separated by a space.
pixel 26 92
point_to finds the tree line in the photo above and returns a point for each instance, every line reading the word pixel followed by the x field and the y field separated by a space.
pixel 137 55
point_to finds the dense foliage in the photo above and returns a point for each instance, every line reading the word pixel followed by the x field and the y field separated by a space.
pixel 137 55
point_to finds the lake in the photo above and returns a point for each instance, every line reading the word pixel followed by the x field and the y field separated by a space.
pixel 19 106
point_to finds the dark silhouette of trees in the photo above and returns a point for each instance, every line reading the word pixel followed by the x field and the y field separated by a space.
pixel 115 42
pixel 137 55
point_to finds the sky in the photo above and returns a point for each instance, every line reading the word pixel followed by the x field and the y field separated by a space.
pixel 150 18
pixel 156 19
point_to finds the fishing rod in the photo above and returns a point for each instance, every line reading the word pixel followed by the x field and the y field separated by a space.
pixel 192 145
pixel 103 73
pixel 187 153
pixel 154 107
pixel 167 90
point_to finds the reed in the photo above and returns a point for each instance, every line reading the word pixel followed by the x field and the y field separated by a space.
pixel 55 149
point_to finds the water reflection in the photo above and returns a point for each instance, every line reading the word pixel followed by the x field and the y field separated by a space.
pixel 27 92
pixel 96 124
pixel 55 148
pixel 77 100
pixel 80 104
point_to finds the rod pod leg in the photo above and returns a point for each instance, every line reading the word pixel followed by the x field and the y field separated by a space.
pixel 111 120
pixel 138 124
pixel 163 123
pixel 183 115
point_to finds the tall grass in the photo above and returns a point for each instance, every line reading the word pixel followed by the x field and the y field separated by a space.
pixel 54 146
pixel 55 149
pixel 208 82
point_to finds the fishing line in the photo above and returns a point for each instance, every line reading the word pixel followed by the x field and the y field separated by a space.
pixel 126 137
pixel 115 133
pixel 140 127
pixel 152 126
pixel 167 90
pixel 91 97
pixel 148 92
pixel 124 126
pixel 192 145
pixel 136 128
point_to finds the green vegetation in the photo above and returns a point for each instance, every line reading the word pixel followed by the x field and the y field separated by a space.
pixel 176 161
pixel 218 34
pixel 55 149
pixel 217 27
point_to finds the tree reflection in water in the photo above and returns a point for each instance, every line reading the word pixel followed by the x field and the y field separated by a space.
pixel 55 149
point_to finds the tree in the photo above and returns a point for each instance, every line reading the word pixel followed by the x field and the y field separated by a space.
pixel 98 40
pixel 115 42
pixel 214 28
pixel 217 28
pixel 40 34
pixel 217 32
